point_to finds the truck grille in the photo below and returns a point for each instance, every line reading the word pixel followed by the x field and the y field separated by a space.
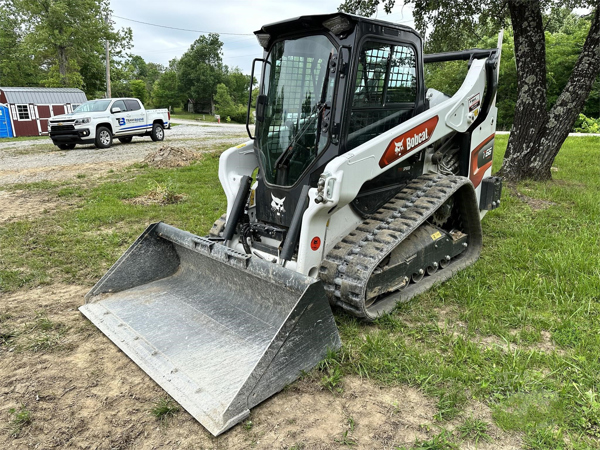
pixel 62 128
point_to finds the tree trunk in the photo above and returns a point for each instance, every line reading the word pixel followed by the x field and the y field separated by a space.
pixel 62 65
pixel 538 135
pixel 530 109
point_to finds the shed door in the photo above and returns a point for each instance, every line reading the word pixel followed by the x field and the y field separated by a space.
pixel 58 109
pixel 44 113
pixel 5 127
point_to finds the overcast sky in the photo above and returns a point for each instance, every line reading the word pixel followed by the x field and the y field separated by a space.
pixel 160 45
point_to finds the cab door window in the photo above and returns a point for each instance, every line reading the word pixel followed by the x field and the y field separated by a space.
pixel 119 104
pixel 385 90
pixel 133 105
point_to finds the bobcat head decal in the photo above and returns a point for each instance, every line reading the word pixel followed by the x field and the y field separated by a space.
pixel 277 205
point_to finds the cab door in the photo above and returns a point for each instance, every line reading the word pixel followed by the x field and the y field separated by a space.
pixel 136 116
pixel 119 119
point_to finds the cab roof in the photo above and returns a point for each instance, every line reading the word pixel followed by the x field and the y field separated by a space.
pixel 316 23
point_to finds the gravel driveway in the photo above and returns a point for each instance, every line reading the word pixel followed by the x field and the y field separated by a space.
pixel 38 160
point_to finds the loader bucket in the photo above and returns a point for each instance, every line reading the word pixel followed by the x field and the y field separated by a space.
pixel 219 330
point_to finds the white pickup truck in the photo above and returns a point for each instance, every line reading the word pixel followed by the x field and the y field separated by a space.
pixel 99 121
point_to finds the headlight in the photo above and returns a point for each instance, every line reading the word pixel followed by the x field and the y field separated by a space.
pixel 82 121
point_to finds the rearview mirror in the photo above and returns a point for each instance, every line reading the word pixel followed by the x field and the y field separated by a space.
pixel 115 110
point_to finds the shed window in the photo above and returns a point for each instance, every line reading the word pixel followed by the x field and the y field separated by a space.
pixel 23 111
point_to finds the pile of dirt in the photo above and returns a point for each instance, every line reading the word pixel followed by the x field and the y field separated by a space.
pixel 168 156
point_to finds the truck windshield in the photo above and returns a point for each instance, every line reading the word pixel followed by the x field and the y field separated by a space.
pixel 298 89
pixel 93 106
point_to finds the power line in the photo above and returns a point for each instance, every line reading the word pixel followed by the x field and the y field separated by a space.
pixel 182 29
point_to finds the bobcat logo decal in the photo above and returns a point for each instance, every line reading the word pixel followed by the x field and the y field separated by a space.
pixel 277 205
pixel 399 147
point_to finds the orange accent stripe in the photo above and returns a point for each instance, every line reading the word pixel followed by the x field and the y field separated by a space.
pixel 477 173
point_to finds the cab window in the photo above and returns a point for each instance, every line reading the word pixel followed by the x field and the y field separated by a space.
pixel 133 105
pixel 385 90
pixel 119 104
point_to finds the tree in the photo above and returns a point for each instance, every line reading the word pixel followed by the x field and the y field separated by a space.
pixel 538 131
pixel 69 37
pixel 165 93
pixel 226 107
pixel 18 67
pixel 154 72
pixel 200 70
pixel 238 84
pixel 139 91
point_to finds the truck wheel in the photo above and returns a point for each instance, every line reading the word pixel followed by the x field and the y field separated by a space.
pixel 66 146
pixel 126 139
pixel 158 132
pixel 103 137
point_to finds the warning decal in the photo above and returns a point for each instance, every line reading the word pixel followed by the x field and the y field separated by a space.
pixel 474 103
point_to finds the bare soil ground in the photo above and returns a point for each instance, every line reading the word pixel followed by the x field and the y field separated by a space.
pixel 38 160
pixel 22 204
pixel 83 392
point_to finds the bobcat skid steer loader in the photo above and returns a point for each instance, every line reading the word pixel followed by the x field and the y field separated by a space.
pixel 361 189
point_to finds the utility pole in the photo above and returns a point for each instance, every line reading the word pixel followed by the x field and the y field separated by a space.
pixel 108 93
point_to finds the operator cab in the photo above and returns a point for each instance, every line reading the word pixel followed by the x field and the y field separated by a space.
pixel 328 84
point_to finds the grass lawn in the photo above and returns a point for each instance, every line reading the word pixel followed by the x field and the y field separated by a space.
pixel 22 138
pixel 179 113
pixel 517 332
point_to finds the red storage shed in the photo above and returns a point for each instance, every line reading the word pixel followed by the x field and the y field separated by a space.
pixel 30 108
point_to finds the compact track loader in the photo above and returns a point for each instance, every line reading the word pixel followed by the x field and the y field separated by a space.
pixel 361 189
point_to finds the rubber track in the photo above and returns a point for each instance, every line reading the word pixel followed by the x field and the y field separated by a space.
pixel 346 269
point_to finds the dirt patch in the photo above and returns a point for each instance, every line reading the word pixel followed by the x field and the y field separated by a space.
pixel 82 392
pixel 60 173
pixel 448 321
pixel 168 156
pixel 156 197
pixel 535 204
pixel 545 345
pixel 19 205
pixel 498 439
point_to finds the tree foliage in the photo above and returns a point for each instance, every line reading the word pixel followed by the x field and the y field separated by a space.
pixel 57 43
pixel 227 107
pixel 61 43
pixel 139 91
pixel 200 70
pixel 17 65
pixel 165 93
pixel 565 35
pixel 69 35
pixel 543 112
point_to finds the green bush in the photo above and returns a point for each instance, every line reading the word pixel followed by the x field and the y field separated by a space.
pixel 226 107
pixel 585 124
